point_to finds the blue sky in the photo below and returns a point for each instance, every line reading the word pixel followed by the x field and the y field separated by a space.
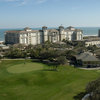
pixel 52 13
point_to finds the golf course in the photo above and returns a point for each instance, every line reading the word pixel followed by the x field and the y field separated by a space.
pixel 27 80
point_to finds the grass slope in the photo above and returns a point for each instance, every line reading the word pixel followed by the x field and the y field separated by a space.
pixel 43 85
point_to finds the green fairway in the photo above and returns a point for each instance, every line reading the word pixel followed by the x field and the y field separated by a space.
pixel 24 67
pixel 37 84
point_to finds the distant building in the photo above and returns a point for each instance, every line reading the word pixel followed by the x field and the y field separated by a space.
pixel 1 42
pixel 87 59
pixel 34 37
pixel 4 47
pixel 92 40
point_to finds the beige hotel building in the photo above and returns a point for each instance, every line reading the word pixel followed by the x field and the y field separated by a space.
pixel 34 37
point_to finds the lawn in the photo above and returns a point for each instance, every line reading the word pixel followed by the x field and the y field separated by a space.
pixel 19 83
pixel 25 67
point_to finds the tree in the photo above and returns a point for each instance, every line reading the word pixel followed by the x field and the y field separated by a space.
pixel 34 54
pixel 61 60
pixel 92 48
pixel 93 88
pixel 15 53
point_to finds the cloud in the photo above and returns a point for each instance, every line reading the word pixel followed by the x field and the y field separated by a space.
pixel 11 0
pixel 22 3
pixel 17 2
pixel 41 1
pixel 25 2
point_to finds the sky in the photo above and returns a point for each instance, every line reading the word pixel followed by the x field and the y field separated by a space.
pixel 50 13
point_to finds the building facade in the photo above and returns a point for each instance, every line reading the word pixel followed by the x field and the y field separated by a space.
pixel 92 40
pixel 34 37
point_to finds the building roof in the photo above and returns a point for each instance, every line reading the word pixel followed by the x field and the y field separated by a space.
pixel 87 56
pixel 26 28
pixel 92 38
pixel 53 30
pixel 78 30
pixel 74 30
pixel 13 31
pixel 44 27
pixel 70 27
pixel 61 26
pixel 22 31
pixel 29 31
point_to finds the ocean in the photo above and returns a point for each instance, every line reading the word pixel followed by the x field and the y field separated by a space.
pixel 86 31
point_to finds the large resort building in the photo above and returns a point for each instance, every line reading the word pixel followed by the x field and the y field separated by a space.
pixel 92 40
pixel 34 37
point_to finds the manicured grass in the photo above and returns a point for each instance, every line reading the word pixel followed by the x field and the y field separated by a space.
pixel 40 84
pixel 25 67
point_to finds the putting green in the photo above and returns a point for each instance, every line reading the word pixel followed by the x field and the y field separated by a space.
pixel 27 67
